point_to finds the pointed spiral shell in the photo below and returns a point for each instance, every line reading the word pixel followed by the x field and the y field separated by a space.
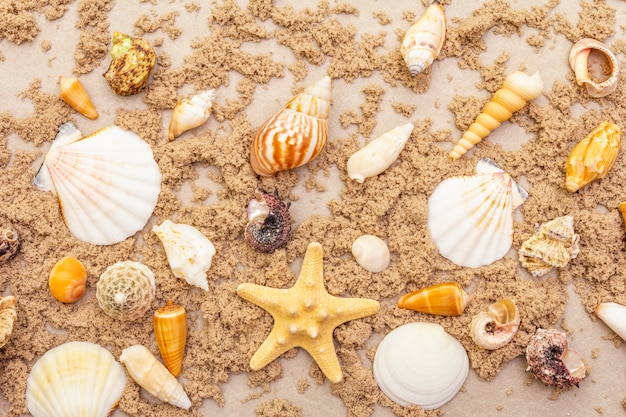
pixel 445 299
pixel 190 112
pixel 424 39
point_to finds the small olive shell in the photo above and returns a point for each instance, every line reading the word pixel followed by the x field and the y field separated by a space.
pixel 68 280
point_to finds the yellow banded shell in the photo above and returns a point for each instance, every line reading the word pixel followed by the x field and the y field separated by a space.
pixel 132 61
pixel 445 299
pixel 592 157
pixel 125 290
pixel 170 332
pixel 579 62
pixel 497 326
pixel 8 315
pixel 423 41
pixel 68 280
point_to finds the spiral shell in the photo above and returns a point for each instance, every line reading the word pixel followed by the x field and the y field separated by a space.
pixel 170 332
pixel 497 326
pixel 269 222
pixel 73 93
pixel 517 90
pixel 68 280
pixel 8 316
pixel 579 62
pixel 133 60
pixel 371 252
pixel 379 154
pixel 296 134
pixel 424 39
pixel 125 290
pixel 445 299
pixel 9 244
pixel 190 112
pixel 592 158
pixel 153 376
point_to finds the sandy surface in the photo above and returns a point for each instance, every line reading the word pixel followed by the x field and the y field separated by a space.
pixel 256 56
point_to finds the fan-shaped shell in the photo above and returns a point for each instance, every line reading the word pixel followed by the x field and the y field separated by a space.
pixel 470 218
pixel 424 39
pixel 8 315
pixel 419 363
pixel 189 252
pixel 371 252
pixel 107 183
pixel 170 332
pixel 579 62
pixel 296 134
pixel 75 379
pixel 125 290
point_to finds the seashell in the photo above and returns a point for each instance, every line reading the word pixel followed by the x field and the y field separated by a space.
pixel 73 93
pixel 593 156
pixel 153 376
pixel 371 252
pixel 296 134
pixel 578 61
pixel 269 222
pixel 170 332
pixel 419 363
pixel 75 379
pixel 470 218
pixel 190 112
pixel 494 328
pixel 554 244
pixel 517 90
pixel 107 183
pixel 9 244
pixel 189 252
pixel 622 210
pixel 445 299
pixel 8 315
pixel 133 60
pixel 68 280
pixel 379 154
pixel 613 314
pixel 125 290
pixel 552 362
pixel 423 41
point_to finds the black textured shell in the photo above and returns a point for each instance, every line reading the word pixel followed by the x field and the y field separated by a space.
pixel 273 230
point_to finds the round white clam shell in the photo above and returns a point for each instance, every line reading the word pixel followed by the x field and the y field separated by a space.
pixel 107 183
pixel 75 379
pixel 371 252
pixel 419 363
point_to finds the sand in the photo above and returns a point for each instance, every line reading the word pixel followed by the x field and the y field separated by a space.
pixel 256 55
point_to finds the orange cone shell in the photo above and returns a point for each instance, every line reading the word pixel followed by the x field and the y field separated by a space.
pixel 445 299
pixel 170 332
pixel 73 93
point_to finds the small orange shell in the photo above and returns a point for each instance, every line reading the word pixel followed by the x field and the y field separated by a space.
pixel 170 332
pixel 73 93
pixel 68 280
pixel 445 299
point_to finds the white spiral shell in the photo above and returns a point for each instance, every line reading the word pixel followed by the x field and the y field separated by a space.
pixel 190 112
pixel 423 41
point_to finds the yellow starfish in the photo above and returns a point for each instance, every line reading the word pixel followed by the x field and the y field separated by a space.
pixel 305 315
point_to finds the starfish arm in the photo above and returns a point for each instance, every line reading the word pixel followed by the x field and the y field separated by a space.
pixel 265 297
pixel 322 350
pixel 311 273
pixel 346 309
pixel 270 349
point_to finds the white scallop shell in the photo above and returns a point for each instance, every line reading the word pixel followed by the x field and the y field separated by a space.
pixel 107 183
pixel 371 252
pixel 379 154
pixel 470 218
pixel 75 379
pixel 614 316
pixel 189 252
pixel 419 363
pixel 153 376
pixel 190 112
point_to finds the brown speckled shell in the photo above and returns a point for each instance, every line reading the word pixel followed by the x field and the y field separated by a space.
pixel 133 60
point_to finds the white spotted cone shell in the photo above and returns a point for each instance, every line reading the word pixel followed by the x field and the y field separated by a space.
pixel 190 113
pixel 296 134
pixel 423 41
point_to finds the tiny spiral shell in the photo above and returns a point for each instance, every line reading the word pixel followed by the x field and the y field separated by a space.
pixel 494 328
pixel 68 280
pixel 190 112
pixel 9 244
pixel 517 90
pixel 423 41
pixel 296 134
pixel 579 62
pixel 73 93
pixel 170 332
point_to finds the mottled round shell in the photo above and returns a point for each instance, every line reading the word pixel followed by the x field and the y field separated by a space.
pixel 371 252
pixel 125 290
pixel 132 62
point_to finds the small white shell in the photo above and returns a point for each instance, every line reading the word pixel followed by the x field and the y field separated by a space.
pixel 379 154
pixel 497 326
pixel 75 379
pixel 190 112
pixel 470 218
pixel 419 363
pixel 153 376
pixel 107 183
pixel 371 252
pixel 189 252
pixel 424 39
pixel 614 316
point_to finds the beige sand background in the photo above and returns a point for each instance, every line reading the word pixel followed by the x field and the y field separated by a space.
pixel 278 48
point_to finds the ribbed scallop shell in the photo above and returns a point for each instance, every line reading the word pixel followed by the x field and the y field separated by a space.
pixel 153 376
pixel 517 90
pixel 371 252
pixel 419 363
pixel 75 379
pixel 379 154
pixel 424 39
pixel 296 134
pixel 614 316
pixel 170 332
pixel 592 158
pixel 189 252
pixel 579 62
pixel 125 290
pixel 470 218
pixel 494 328
pixel 190 112
pixel 107 183
pixel 73 93
pixel 8 316
pixel 68 279
pixel 445 299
